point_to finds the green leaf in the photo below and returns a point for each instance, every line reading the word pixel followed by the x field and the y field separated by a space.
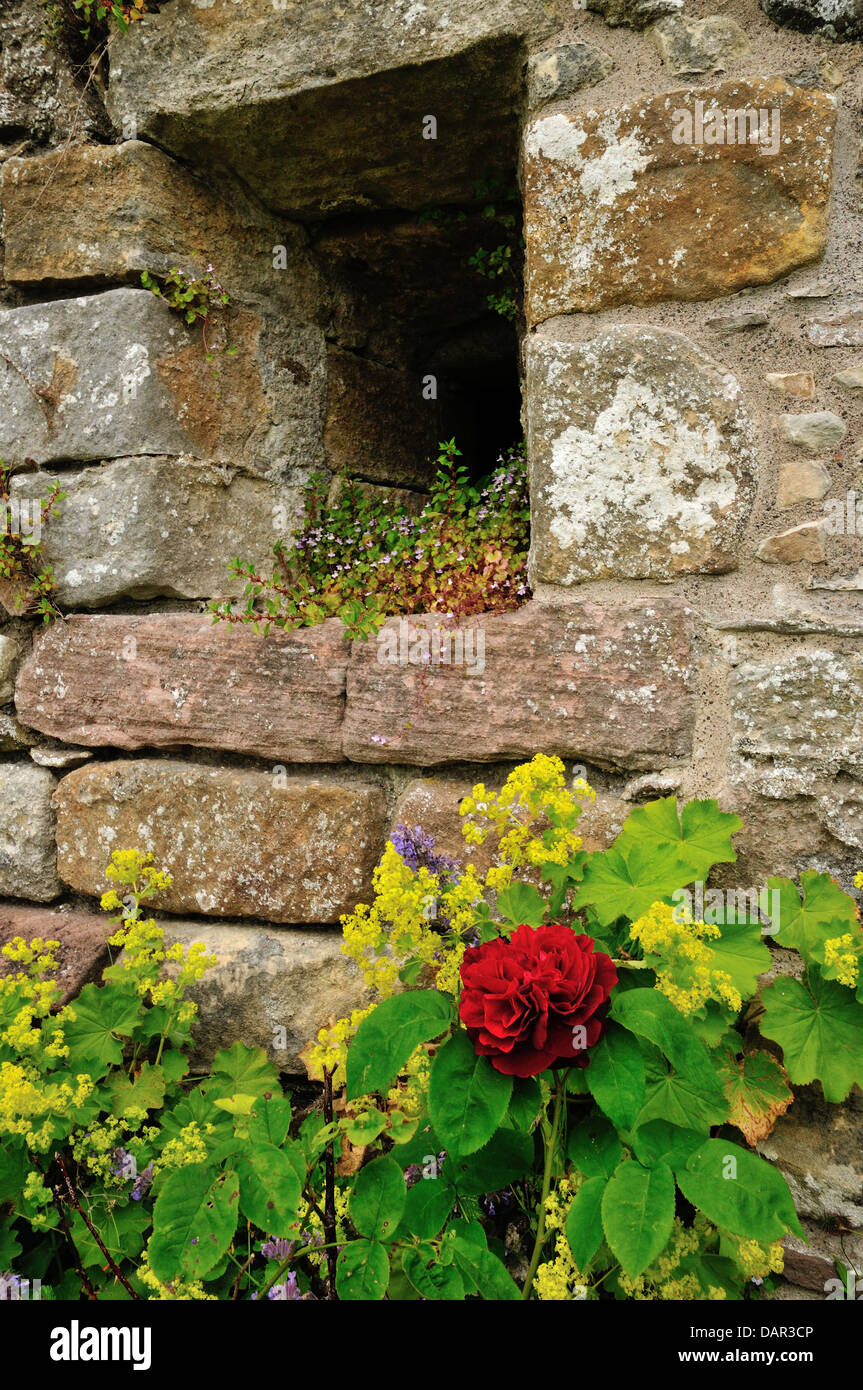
pixel 243 1070
pixel 692 1095
pixel 637 1214
pixel 525 1103
pixel 467 1099
pixel 679 1099
pixel 740 951
pixel 506 1157
pixel 824 912
pixel 584 1221
pixel 269 1188
pixel 194 1220
pixel 270 1121
pixel 485 1271
pixel 427 1206
pixel 626 882
pixel 615 1076
pixel 362 1272
pixel 593 1147
pixel 101 1015
pixel 121 1230
pixel 758 1093
pixel 520 904
pixel 661 1142
pixel 429 1276
pixel 820 1031
pixel 378 1199
pixel 146 1091
pixel 365 1128
pixel 14 1167
pixel 701 836
pixel 739 1192
pixel 385 1040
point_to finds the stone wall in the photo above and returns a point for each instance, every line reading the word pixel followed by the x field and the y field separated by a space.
pixel 691 366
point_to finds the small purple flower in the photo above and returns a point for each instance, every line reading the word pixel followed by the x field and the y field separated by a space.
pixel 144 1183
pixel 278 1249
pixel 418 852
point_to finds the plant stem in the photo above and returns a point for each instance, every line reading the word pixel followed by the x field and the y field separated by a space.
pixel 550 1146
pixel 282 1269
pixel 73 1198
pixel 329 1187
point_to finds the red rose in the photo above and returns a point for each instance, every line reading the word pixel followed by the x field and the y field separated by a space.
pixel 536 1000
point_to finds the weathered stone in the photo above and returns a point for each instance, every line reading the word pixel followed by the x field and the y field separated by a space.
pixel 642 463
pixel 811 1264
pixel 10 655
pixel 819 73
pixel 270 988
pixel 818 1147
pixel 118 373
pixel 558 73
pixel 842 21
pixel 237 843
pixel 609 683
pixel 781 835
pixel 83 937
pixel 146 527
pixel 634 205
pixel 636 14
pixel 851 378
pixel 842 329
pixel 803 714
pixel 378 426
pixel 819 289
pixel 690 47
pixel 804 481
pixel 601 821
pixel 651 785
pixel 13 737
pixel 399 499
pixel 175 680
pixel 47 753
pixel 839 583
pixel 737 323
pixel 28 860
pixel 344 88
pixel 841 812
pixel 799 545
pixel 103 213
pixel 820 430
pixel 792 383
pixel 42 98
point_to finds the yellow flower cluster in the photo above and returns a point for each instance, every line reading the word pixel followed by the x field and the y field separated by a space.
pixel 190 1146
pixel 559 1280
pixel 858 879
pixel 409 1097
pixel 663 1280
pixel 193 1290
pixel 756 1261
pixel 686 974
pixel 30 1105
pixel 844 952
pixel 533 814
pixel 331 1048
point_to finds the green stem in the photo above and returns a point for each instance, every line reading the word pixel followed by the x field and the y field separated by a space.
pixel 298 1255
pixel 550 1146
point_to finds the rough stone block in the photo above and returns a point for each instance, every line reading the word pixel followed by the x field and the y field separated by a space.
pixel 28 857
pixel 118 374
pixel 237 843
pixel 159 527
pixel 604 682
pixel 83 938
pixel 175 680
pixel 642 464
pixel 640 203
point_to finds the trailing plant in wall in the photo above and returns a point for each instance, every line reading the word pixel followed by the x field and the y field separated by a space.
pixel 195 297
pixel 362 561
pixel 91 18
pixel 30 581
pixel 554 1095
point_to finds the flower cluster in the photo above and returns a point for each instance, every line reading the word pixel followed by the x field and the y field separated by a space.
pixel 685 969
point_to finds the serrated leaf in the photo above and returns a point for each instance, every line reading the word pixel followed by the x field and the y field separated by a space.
pixel 626 882
pixel 659 1141
pixel 679 1099
pixel 378 1199
pixel 522 903
pixel 758 1093
pixel 385 1040
pixel 615 1076
pixel 270 1121
pixel 146 1090
pixel 269 1188
pixel 739 1192
pixel 362 1272
pixel 525 1102
pixel 486 1272
pixel 427 1205
pixel 820 1031
pixel 649 1014
pixel 101 1016
pixel 194 1220
pixel 506 1157
pixel 637 1214
pixel 246 1069
pixel 700 835
pixel 740 951
pixel 584 1221
pixel 467 1098
pixel 824 911
pixel 430 1277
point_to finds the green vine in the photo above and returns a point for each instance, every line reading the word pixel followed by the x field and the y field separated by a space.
pixel 21 553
